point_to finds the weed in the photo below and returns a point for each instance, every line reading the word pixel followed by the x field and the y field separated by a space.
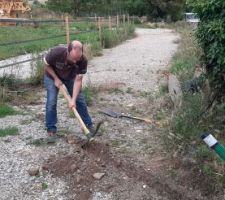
pixel 8 132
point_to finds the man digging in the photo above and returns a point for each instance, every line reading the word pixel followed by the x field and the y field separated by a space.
pixel 65 65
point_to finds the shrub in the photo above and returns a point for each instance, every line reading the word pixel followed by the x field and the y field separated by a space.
pixel 211 38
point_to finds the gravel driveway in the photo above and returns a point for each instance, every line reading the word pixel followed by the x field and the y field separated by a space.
pixel 132 67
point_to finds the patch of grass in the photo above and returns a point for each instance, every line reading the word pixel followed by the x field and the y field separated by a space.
pixel 9 131
pixel 115 143
pixel 163 89
pixel 185 122
pixel 90 93
pixel 116 91
pixel 6 110
pixel 143 93
pixel 37 73
pixel 160 115
pixel 44 186
pixel 96 49
pixel 10 81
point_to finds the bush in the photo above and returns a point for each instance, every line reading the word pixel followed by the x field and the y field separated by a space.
pixel 211 37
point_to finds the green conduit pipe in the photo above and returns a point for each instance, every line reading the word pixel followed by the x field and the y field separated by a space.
pixel 212 142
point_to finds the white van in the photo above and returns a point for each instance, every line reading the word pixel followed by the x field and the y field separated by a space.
pixel 191 18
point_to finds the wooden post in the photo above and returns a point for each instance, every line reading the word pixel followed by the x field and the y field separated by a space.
pixel 96 21
pixel 110 23
pixel 117 21
pixel 67 30
pixel 124 19
pixel 102 21
pixel 128 18
pixel 100 29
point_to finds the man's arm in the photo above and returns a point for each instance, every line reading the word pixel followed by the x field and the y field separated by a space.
pixel 76 89
pixel 52 73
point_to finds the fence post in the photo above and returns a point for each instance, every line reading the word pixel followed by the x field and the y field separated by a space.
pixel 117 21
pixel 128 18
pixel 124 18
pixel 100 29
pixel 110 23
pixel 67 30
pixel 96 21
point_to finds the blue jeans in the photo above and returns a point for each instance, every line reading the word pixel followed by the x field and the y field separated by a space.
pixel 51 104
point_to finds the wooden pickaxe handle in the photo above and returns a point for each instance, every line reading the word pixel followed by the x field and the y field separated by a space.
pixel 138 118
pixel 65 93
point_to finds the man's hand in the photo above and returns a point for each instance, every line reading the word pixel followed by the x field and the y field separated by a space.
pixel 58 83
pixel 72 104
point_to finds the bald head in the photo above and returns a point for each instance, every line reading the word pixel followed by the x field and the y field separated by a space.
pixel 76 52
pixel 76 43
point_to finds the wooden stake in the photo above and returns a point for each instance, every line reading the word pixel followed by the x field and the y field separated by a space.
pixel 117 21
pixel 124 19
pixel 67 30
pixel 110 23
pixel 128 18
pixel 100 29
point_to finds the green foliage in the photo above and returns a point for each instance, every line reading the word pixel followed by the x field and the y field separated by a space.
pixel 37 73
pixel 22 33
pixel 90 94
pixel 96 49
pixel 44 186
pixel 8 131
pixel 171 10
pixel 211 38
pixel 156 9
pixel 9 81
pixel 112 38
pixel 185 123
pixel 6 110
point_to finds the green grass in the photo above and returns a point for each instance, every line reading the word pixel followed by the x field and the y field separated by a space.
pixel 192 119
pixel 90 93
pixel 22 33
pixel 6 110
pixel 44 186
pixel 9 131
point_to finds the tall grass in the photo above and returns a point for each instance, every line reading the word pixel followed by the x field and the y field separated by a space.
pixel 114 37
pixel 193 118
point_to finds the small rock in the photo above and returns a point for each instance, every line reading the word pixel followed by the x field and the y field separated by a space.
pixel 130 105
pixel 78 179
pixel 71 139
pixel 98 176
pixel 144 186
pixel 74 167
pixel 33 171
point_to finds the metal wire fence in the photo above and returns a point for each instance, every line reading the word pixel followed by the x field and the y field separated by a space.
pixel 20 36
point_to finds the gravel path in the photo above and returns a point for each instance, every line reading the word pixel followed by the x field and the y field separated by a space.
pixel 138 62
pixel 135 66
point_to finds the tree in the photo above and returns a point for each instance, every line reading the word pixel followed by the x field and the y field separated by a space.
pixel 164 9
